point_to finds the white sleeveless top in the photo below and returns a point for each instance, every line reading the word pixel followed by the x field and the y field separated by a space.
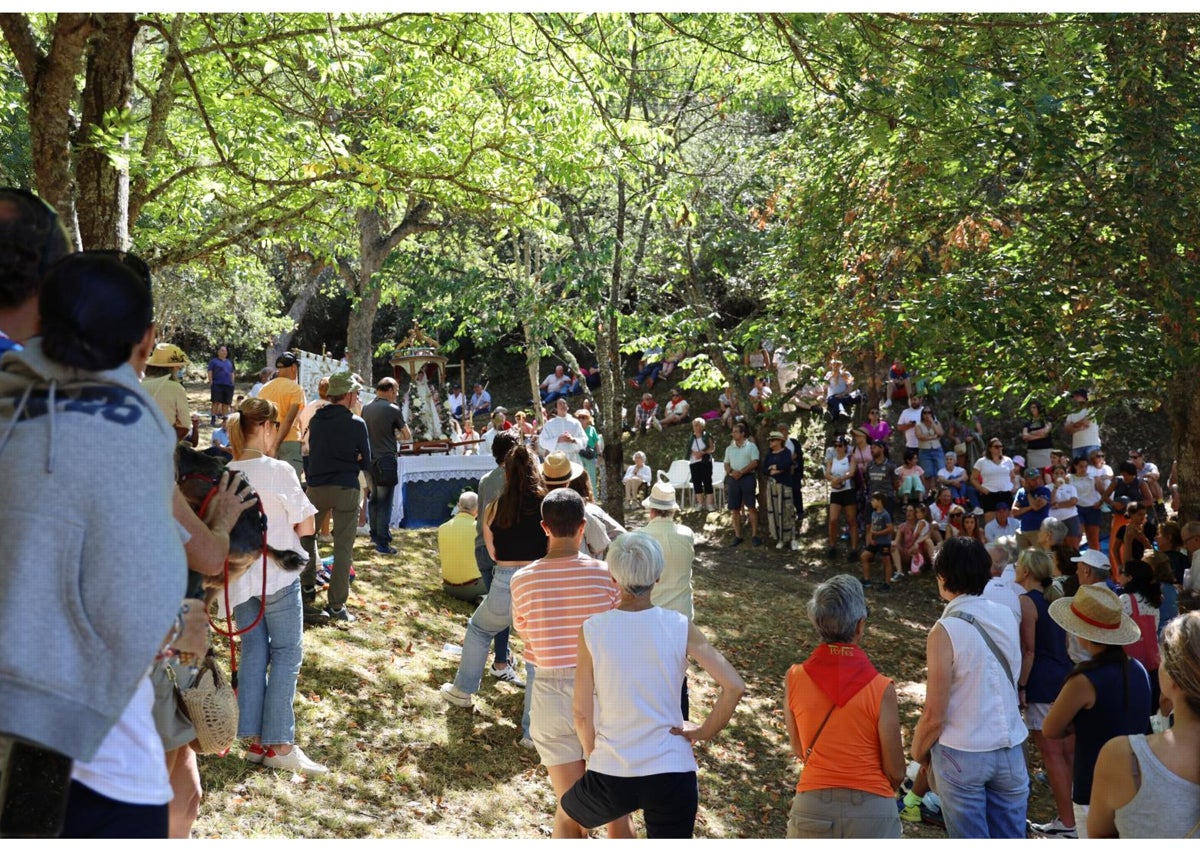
pixel 840 467
pixel 1165 806
pixel 639 660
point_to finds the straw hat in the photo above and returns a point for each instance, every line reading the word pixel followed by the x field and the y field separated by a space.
pixel 558 469
pixel 167 354
pixel 775 435
pixel 1095 613
pixel 662 497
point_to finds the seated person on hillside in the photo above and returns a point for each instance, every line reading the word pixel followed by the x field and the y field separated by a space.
pixel 671 361
pixel 456 549
pixel 646 415
pixel 591 377
pixel 557 385
pixel 481 400
pixel 729 409
pixel 649 368
pixel 677 409
pixel 955 478
pixel 840 394
pixel 636 476
pixel 898 386
pixel 759 394
pixel 757 360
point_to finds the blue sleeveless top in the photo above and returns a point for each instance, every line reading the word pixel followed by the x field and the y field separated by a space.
pixel 1111 716
pixel 1051 664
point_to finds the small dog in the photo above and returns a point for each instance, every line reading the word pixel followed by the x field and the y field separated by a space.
pixel 197 475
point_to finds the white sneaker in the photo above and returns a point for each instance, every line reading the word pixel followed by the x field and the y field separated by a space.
pixel 1054 830
pixel 795 545
pixel 454 695
pixel 324 539
pixel 363 532
pixel 898 575
pixel 527 743
pixel 295 760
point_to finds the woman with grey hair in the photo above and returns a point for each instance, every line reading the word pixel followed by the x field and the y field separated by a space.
pixel 843 721
pixel 629 671
pixel 636 475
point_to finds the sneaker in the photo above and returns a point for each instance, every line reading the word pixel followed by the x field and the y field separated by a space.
pixel 909 812
pixel 757 541
pixel 508 675
pixel 527 743
pixel 294 760
pixel 795 545
pixel 885 587
pixel 897 576
pixel 736 541
pixel 1054 830
pixel 851 556
pixel 454 695
pixel 866 583
pixel 324 539
pixel 313 615
pixel 363 531
pixel 342 614
pixel 780 545
pixel 933 817
pixel 255 754
pixel 385 550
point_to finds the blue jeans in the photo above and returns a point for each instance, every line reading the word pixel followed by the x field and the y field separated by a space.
pixel 493 616
pixel 984 795
pixel 932 460
pixel 1084 451
pixel 379 513
pixel 485 564
pixel 270 665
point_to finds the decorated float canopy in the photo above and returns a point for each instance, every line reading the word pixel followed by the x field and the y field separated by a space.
pixel 416 354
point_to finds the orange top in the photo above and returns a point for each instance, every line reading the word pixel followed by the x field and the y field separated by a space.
pixel 847 755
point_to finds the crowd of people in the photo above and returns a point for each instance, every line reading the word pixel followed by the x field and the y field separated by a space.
pixel 1042 633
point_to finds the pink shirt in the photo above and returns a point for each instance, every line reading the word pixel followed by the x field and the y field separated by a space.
pixel 551 598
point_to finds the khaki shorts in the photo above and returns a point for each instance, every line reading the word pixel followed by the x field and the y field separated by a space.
pixel 551 722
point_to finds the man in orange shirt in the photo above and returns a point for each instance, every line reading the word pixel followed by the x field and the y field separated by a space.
pixel 289 400
pixel 551 598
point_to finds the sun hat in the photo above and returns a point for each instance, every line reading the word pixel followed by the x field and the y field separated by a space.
pixel 558 469
pixel 168 354
pixel 341 383
pixel 775 435
pixel 1019 460
pixel 1095 613
pixel 858 430
pixel 662 497
pixel 583 412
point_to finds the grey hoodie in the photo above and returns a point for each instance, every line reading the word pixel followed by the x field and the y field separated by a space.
pixel 92 567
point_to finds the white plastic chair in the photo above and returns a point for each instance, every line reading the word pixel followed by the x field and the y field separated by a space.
pixel 719 484
pixel 679 475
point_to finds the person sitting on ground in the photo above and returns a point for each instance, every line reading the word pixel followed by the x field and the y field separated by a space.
pixel 162 383
pixel 555 386
pixel 843 723
pixel 955 478
pixel 1148 787
pixel 637 476
pixel 455 401
pixel 880 530
pixel 676 410
pixel 645 415
pixel 551 599
pixel 636 742
pixel 461 578
pixel 899 385
pixel 729 407
pixel 649 367
pixel 759 394
pixel 840 396
pixel 876 427
pixel 910 479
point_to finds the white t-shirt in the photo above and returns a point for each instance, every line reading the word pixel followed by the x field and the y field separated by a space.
pixel 1102 476
pixel 678 409
pixel 1149 468
pixel 997 478
pixel 957 476
pixel 285 505
pixel 632 472
pixel 1085 490
pixel 910 415
pixel 1089 436
pixel 1062 493
pixel 130 765
pixel 555 382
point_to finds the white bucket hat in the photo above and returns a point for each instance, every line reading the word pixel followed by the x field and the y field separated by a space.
pixel 662 497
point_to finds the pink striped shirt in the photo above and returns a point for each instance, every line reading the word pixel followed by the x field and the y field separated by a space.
pixel 551 598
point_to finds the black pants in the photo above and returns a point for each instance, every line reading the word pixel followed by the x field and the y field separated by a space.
pixel 91 815
pixel 702 472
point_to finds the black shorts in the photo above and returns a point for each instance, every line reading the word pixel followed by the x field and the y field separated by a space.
pixel 989 501
pixel 222 394
pixel 667 801
pixel 846 497
pixel 881 550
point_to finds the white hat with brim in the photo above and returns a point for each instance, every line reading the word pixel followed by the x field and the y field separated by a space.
pixel 1095 613
pixel 662 497
pixel 558 470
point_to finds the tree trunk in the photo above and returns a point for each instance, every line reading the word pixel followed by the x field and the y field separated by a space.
pixel 532 368
pixel 308 289
pixel 1182 405
pixel 102 184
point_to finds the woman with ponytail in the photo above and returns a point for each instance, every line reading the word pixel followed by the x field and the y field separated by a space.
pixel 1044 666
pixel 271 649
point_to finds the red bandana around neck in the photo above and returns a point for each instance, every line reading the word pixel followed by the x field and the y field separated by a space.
pixel 840 670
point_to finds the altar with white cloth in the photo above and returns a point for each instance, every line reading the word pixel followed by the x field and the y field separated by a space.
pixel 428 486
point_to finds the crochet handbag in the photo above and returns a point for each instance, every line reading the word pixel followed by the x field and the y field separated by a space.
pixel 211 704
